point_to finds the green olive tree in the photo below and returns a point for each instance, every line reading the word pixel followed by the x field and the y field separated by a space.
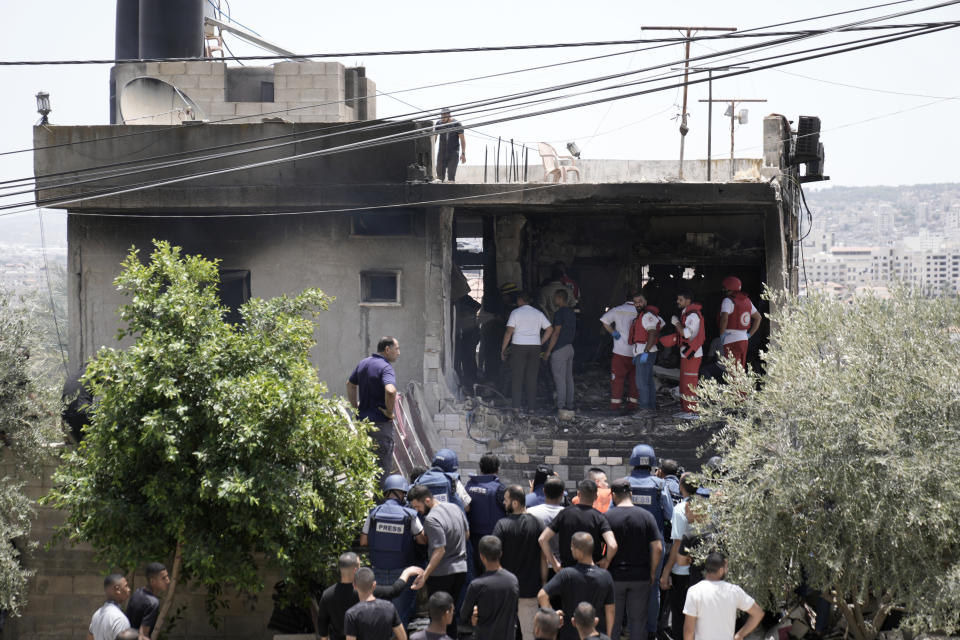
pixel 213 443
pixel 840 462
pixel 29 422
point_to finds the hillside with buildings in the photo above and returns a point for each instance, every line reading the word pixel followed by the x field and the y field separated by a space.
pixel 863 239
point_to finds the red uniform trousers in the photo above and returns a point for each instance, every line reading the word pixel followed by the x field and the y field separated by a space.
pixel 621 371
pixel 689 377
pixel 739 351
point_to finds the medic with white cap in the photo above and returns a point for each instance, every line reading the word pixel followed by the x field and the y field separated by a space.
pixel 738 321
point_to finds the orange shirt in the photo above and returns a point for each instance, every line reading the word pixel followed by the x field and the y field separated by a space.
pixel 602 503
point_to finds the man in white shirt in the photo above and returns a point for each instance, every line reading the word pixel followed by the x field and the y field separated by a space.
pixel 738 321
pixel 675 579
pixel 524 339
pixel 617 321
pixel 712 605
pixel 109 620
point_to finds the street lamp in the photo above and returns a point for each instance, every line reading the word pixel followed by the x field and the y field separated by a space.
pixel 43 107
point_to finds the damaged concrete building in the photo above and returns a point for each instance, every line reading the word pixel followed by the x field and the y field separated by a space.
pixel 306 188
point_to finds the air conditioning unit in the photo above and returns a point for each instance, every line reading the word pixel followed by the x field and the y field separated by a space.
pixel 808 140
pixel 815 167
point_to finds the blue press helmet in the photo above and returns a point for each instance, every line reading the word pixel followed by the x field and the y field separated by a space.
pixel 446 460
pixel 643 456
pixel 395 482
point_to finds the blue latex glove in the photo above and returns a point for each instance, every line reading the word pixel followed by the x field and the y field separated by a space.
pixel 643 357
pixel 616 335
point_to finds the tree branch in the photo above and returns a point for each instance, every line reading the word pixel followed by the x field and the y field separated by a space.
pixel 848 615
pixel 168 600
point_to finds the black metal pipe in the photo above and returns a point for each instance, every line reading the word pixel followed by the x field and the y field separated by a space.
pixel 485 150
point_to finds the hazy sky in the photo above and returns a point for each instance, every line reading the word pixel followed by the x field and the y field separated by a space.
pixel 867 142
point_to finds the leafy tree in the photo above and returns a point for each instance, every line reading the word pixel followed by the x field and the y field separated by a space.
pixel 840 464
pixel 28 422
pixel 213 443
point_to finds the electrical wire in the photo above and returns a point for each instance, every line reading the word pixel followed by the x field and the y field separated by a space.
pixel 53 306
pixel 410 136
pixel 492 101
pixel 753 32
pixel 408 52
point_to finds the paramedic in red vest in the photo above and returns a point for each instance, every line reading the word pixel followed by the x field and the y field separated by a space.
pixel 617 322
pixel 690 334
pixel 643 336
pixel 739 320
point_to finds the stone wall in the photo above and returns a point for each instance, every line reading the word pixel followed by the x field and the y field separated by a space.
pixel 68 586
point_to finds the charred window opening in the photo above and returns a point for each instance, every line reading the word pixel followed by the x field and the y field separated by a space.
pixel 234 291
pixel 602 255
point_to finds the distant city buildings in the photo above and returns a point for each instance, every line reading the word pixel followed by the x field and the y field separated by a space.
pixel 865 240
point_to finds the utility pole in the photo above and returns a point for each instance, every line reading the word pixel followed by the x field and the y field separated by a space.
pixel 710 71
pixel 686 72
pixel 733 102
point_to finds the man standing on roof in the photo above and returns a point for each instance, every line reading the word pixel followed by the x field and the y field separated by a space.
pixel 739 320
pixel 391 531
pixel 690 336
pixel 644 333
pixel 452 146
pixel 617 322
pixel 372 390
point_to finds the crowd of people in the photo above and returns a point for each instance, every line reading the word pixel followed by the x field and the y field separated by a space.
pixel 506 562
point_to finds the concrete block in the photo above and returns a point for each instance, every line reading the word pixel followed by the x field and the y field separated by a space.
pixel 186 82
pixel 552 459
pixel 173 68
pixel 203 68
pixel 280 82
pixel 296 82
pixel 286 69
pixel 221 110
pixel 593 453
pixel 311 67
pixel 521 458
pixel 287 95
pixel 560 448
pixel 614 460
pixel 211 95
pixel 331 83
pixel 210 82
pixel 249 108
pixel 151 68
pixel 314 96
pixel 595 460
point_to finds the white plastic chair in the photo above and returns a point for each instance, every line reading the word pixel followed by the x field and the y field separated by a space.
pixel 556 167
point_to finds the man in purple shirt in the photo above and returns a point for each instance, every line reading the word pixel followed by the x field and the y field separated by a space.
pixel 372 390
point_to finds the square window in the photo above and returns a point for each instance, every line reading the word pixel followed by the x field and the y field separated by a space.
pixel 380 288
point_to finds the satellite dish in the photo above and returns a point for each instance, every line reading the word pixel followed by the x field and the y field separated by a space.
pixel 147 100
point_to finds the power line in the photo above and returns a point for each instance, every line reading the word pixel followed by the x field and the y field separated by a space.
pixel 461 106
pixel 667 42
pixel 410 136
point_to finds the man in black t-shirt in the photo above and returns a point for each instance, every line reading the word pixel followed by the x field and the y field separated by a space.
pixel 579 517
pixel 490 604
pixel 371 619
pixel 340 597
pixel 144 605
pixel 584 582
pixel 451 147
pixel 519 532
pixel 634 567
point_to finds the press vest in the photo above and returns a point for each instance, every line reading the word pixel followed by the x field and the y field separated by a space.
pixel 646 492
pixel 485 508
pixel 689 346
pixel 440 486
pixel 740 319
pixel 638 333
pixel 390 536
